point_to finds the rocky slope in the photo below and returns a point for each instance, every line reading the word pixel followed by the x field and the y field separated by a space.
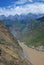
pixel 10 51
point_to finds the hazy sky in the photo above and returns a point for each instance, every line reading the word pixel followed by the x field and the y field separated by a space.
pixel 13 7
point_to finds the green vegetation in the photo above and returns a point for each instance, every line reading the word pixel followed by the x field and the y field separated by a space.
pixel 19 25
pixel 11 62
pixel 2 41
pixel 35 37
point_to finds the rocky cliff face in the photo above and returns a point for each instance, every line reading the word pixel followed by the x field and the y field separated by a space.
pixel 10 51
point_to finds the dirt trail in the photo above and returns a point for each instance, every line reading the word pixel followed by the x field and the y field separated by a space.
pixel 34 56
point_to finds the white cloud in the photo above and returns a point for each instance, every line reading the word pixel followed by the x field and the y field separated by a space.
pixel 35 8
pixel 23 1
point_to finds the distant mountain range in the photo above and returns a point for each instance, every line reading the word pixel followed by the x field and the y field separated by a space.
pixel 21 26
pixel 19 18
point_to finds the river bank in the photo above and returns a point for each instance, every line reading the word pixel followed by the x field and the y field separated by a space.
pixel 34 56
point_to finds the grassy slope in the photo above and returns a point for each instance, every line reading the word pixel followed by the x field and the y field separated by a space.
pixel 35 36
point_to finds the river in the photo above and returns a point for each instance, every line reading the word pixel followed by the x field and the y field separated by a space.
pixel 34 56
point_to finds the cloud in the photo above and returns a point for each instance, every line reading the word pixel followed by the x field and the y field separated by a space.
pixel 22 1
pixel 35 8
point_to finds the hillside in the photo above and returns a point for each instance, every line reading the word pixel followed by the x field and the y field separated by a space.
pixel 10 51
pixel 30 31
pixel 35 34
pixel 26 29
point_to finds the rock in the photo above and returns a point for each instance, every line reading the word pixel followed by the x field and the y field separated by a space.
pixel 40 48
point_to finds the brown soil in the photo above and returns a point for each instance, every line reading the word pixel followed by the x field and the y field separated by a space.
pixel 34 56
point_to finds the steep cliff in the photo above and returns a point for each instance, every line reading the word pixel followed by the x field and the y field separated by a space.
pixel 10 51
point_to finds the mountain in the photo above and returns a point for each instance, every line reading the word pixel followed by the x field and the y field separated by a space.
pixel 41 19
pixel 35 33
pixel 19 24
pixel 28 28
pixel 10 51
pixel 19 18
pixel 20 29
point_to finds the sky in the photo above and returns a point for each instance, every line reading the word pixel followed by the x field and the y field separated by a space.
pixel 13 7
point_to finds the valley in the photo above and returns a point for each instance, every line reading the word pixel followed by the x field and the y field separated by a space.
pixel 21 32
pixel 22 41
